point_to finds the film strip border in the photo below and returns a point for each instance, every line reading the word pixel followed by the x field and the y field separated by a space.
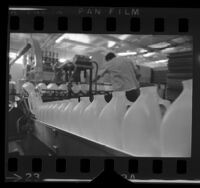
pixel 101 20
pixel 62 24
pixel 85 20
pixel 88 168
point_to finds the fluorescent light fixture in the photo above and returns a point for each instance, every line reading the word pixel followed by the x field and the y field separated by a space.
pixel 149 54
pixel 12 55
pixel 62 60
pixel 159 63
pixel 168 50
pixel 162 61
pixel 75 37
pixel 142 50
pixel 79 48
pixel 60 38
pixel 126 53
pixel 159 45
pixel 111 44
pixel 179 40
pixel 19 61
pixel 123 37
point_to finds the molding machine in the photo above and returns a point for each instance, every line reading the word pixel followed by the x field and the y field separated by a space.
pixel 34 137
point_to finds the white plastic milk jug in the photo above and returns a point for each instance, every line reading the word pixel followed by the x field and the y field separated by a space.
pixel 63 87
pixel 141 126
pixel 90 116
pixel 161 101
pixel 52 86
pixel 110 119
pixel 66 113
pixel 53 111
pixel 176 128
pixel 58 113
pixel 76 117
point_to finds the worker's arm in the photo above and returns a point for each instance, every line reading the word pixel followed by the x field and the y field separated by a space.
pixel 136 70
pixel 100 74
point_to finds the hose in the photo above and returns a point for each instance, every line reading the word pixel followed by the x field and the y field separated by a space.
pixel 97 67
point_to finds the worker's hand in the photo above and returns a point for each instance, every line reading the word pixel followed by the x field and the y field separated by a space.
pixel 100 74
pixel 97 78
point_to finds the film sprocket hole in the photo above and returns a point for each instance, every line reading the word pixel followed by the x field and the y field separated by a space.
pixel 162 43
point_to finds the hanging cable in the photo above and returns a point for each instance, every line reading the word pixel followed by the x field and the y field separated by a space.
pixel 96 73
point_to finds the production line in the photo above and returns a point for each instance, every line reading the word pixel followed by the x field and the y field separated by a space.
pixel 67 107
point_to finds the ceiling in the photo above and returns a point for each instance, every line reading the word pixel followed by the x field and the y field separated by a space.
pixel 144 48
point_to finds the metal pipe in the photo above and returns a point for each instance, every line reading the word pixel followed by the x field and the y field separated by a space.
pixel 21 53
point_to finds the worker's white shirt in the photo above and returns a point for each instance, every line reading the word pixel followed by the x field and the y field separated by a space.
pixel 121 72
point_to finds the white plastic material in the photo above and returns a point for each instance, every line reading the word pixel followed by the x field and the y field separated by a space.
pixel 52 86
pixel 76 88
pixel 28 87
pixel 110 119
pixel 41 86
pixel 141 126
pixel 66 113
pixel 62 87
pixel 40 112
pixel 34 100
pixel 58 113
pixel 177 124
pixel 90 117
pixel 84 88
pixel 47 112
pixel 53 114
pixel 43 111
pixel 76 117
pixel 161 101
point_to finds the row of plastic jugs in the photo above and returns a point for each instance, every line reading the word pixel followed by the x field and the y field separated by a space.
pixel 140 131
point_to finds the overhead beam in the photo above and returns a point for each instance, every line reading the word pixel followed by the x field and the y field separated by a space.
pixel 50 40
pixel 136 44
pixel 86 45
pixel 128 43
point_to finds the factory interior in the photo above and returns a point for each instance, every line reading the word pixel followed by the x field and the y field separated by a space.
pixel 58 107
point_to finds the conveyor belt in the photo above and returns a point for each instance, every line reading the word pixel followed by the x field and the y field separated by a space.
pixel 68 144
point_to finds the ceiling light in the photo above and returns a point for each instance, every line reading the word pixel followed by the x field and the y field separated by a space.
pixel 126 53
pixel 168 50
pixel 62 60
pixel 75 37
pixel 142 50
pixel 159 63
pixel 162 61
pixel 159 45
pixel 60 38
pixel 111 44
pixel 78 48
pixel 149 54
pixel 123 37
pixel 12 55
pixel 179 40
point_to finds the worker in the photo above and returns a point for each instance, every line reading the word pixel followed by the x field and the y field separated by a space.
pixel 12 90
pixel 122 73
pixel 58 73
